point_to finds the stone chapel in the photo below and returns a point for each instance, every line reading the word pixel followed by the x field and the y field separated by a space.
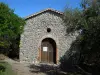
pixel 44 39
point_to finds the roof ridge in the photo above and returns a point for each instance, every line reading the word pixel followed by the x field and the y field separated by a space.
pixel 48 9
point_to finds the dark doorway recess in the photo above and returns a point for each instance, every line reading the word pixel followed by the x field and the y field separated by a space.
pixel 48 51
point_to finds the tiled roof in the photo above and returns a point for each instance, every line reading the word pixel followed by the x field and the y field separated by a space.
pixel 49 9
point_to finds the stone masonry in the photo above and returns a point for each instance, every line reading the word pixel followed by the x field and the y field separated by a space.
pixel 35 31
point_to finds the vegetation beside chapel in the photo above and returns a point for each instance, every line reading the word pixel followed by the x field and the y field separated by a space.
pixel 11 26
pixel 6 69
pixel 85 51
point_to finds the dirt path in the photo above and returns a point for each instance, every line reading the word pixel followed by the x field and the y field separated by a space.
pixel 22 68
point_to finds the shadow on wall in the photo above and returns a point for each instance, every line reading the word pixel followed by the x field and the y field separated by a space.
pixel 75 61
pixel 71 58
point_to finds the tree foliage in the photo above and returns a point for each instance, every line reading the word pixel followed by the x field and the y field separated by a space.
pixel 11 26
pixel 88 21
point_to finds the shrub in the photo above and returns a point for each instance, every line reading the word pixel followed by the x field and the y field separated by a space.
pixel 2 68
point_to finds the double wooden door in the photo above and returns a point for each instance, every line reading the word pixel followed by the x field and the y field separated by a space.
pixel 48 52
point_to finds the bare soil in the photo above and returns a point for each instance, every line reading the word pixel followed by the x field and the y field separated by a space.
pixel 22 68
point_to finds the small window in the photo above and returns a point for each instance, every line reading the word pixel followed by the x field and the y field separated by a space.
pixel 48 30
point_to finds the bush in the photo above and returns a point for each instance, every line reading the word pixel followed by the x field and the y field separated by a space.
pixel 2 68
pixel 6 69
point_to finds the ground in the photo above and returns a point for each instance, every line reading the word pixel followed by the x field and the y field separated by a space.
pixel 21 68
pixel 35 69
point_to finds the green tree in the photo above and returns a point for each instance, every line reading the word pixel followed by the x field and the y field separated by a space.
pixel 88 21
pixel 11 26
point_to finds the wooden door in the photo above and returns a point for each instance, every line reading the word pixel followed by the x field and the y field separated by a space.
pixel 48 54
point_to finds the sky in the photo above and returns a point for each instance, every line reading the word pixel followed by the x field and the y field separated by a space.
pixel 24 8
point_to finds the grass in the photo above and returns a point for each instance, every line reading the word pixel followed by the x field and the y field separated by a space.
pixel 8 69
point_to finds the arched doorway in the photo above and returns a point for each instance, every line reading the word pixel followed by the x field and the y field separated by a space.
pixel 48 51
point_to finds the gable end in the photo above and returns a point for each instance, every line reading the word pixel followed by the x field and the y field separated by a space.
pixel 41 12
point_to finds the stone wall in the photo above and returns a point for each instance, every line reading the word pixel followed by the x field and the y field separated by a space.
pixel 35 31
